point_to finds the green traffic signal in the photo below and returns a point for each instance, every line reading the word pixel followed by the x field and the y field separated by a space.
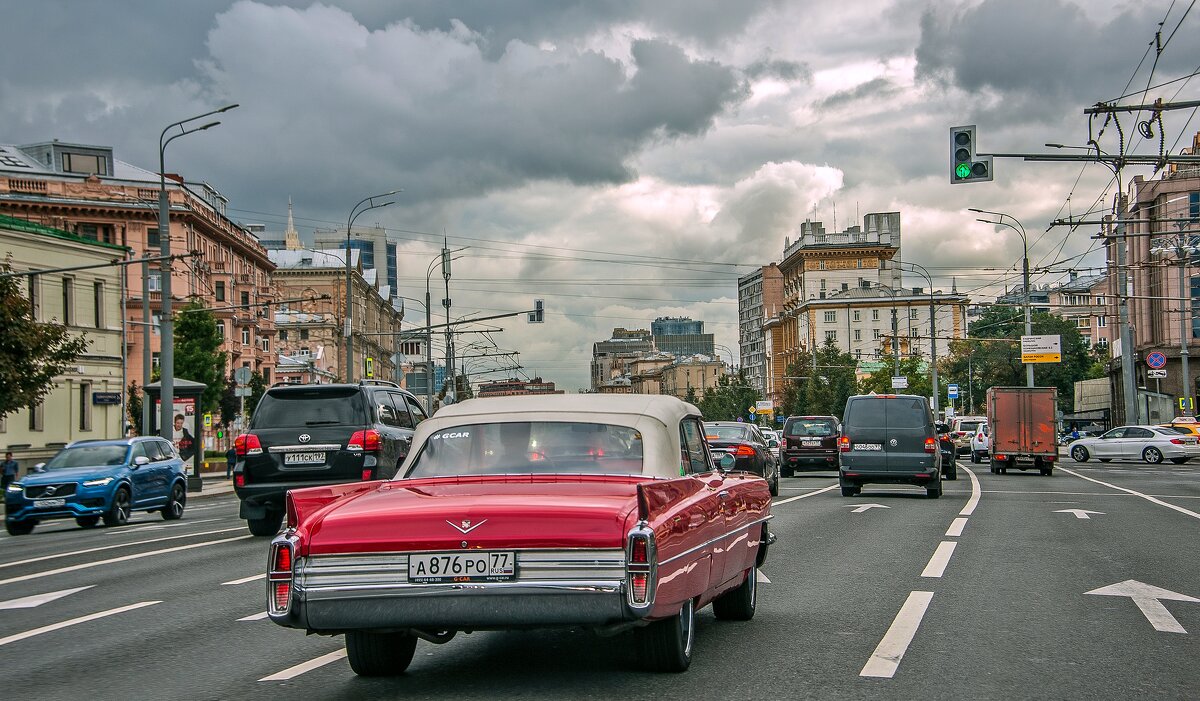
pixel 963 170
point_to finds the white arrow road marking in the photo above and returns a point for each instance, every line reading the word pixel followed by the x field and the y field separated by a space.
pixel 119 545
pixel 781 502
pixel 867 507
pixel 124 558
pixel 303 667
pixel 1080 513
pixel 762 578
pixel 886 658
pixel 1146 597
pixel 74 621
pixel 254 617
pixel 36 600
pixel 243 580
pixel 941 558
pixel 1147 497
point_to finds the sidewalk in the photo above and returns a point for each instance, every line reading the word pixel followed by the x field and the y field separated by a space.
pixel 215 482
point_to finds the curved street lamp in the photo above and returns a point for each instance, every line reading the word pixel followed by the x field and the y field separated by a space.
pixel 932 335
pixel 354 214
pixel 1016 226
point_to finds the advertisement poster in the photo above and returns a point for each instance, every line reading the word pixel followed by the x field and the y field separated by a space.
pixel 184 416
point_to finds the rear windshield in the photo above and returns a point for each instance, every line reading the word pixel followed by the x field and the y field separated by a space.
pixel 812 427
pixel 295 409
pixel 88 456
pixel 524 447
pixel 725 433
pixel 907 413
pixel 889 412
pixel 968 426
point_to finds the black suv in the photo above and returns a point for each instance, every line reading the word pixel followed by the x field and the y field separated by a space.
pixel 314 435
pixel 889 438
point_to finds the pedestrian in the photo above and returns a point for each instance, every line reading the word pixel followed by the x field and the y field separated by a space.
pixel 230 461
pixel 8 471
pixel 1075 433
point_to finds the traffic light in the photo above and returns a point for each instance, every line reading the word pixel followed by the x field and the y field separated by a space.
pixel 537 316
pixel 965 165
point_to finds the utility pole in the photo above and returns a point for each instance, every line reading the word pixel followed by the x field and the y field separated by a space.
pixel 452 391
pixel 1128 352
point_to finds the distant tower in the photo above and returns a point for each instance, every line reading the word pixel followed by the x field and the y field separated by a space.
pixel 290 237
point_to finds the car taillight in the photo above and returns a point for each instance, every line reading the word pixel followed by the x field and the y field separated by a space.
pixel 930 445
pixel 640 567
pixel 239 480
pixel 247 444
pixel 1177 441
pixel 367 440
pixel 279 575
pixel 743 451
pixel 1001 457
pixel 366 475
pixel 844 444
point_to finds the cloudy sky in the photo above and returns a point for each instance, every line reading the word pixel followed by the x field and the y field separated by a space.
pixel 622 160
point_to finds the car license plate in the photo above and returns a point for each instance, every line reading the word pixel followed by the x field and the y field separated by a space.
pixel 868 446
pixel 49 503
pixel 462 567
pixel 304 458
pixel 811 444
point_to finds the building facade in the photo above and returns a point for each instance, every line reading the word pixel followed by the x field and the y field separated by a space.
pixel 376 251
pixel 760 297
pixel 695 375
pixel 681 336
pixel 611 358
pixel 88 400
pixel 1085 302
pixel 514 387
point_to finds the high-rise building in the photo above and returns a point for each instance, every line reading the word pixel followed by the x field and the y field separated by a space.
pixel 376 251
pixel 760 297
pixel 681 336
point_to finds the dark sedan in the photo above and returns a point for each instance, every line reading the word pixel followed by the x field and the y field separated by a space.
pixel 749 447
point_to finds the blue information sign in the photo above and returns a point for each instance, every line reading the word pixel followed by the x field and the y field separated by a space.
pixel 952 391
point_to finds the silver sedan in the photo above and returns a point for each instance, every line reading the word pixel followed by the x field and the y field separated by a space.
pixel 1150 443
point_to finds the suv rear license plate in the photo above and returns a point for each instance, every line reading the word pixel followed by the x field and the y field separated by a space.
pixel 304 458
pixel 49 503
pixel 462 567
pixel 868 446
pixel 811 444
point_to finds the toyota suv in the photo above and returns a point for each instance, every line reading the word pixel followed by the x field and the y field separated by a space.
pixel 314 435
pixel 889 438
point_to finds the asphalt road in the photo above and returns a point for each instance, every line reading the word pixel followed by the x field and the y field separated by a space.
pixel 983 593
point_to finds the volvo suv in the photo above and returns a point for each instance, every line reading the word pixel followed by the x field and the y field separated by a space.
pixel 314 435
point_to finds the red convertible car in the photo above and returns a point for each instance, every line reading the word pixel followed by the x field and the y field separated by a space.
pixel 602 512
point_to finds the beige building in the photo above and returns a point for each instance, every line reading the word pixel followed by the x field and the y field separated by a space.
pixel 1085 302
pixel 698 373
pixel 87 401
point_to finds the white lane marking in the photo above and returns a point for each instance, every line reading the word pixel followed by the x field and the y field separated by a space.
pixel 243 580
pixel 760 578
pixel 1087 494
pixel 941 558
pixel 303 667
pixel 74 621
pixel 73 553
pixel 781 502
pixel 1147 497
pixel 254 617
pixel 140 528
pixel 36 600
pixel 886 658
pixel 123 558
pixel 1146 597
pixel 975 493
pixel 956 528
pixel 1080 513
pixel 867 507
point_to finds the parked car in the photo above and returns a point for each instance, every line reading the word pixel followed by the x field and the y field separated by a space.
pixel 96 480
pixel 750 449
pixel 980 442
pixel 809 442
pixel 1150 443
pixel 948 450
pixel 889 438
pixel 772 435
pixel 962 428
pixel 592 511
pixel 312 435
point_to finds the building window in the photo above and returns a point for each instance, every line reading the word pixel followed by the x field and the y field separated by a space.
pixel 155 323
pixel 874 315
pixel 264 344
pixel 221 329
pixel 245 299
pixel 858 353
pixel 858 334
pixel 303 334
pixel 37 417
pixel 912 333
pixel 831 336
pixel 1100 299
pixel 283 334
pixel 1083 322
pixel 875 334
pixel 1101 322
pixel 219 290
pixel 84 163
pixel 246 336
pixel 912 313
pixel 85 406
pixel 820 265
pixel 156 282
pixel 98 304
pixel 154 360
pixel 857 315
pixel 68 301
pixel 822 284
pixel 860 264
pixel 152 239
pixel 35 297
pixel 830 317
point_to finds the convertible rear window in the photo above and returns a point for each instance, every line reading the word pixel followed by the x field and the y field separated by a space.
pixel 530 447
pixel 88 456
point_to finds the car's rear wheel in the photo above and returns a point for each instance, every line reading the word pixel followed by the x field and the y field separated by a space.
pixel 87 521
pixel 933 491
pixel 1047 472
pixel 774 485
pixel 1179 461
pixel 379 654
pixel 951 472
pixel 738 604
pixel 175 503
pixel 666 646
pixel 787 472
pixel 850 490
pixel 268 525
pixel 19 527
pixel 118 512
pixel 1080 454
pixel 974 457
pixel 1152 455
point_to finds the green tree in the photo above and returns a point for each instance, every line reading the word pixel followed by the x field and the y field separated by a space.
pixel 32 354
pixel 230 403
pixel 915 368
pixel 258 387
pixel 133 406
pixel 821 385
pixel 731 398
pixel 198 354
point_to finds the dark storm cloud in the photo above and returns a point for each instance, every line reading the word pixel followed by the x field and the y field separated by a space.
pixel 791 71
pixel 876 89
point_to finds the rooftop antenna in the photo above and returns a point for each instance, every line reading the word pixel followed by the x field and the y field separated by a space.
pixel 834 216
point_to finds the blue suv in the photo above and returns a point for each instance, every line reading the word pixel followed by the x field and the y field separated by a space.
pixel 94 480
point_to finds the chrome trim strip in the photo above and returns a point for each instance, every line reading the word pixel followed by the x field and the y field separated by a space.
pixel 689 551
pixel 404 589
pixel 322 447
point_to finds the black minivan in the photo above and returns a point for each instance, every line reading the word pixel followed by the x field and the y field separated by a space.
pixel 889 438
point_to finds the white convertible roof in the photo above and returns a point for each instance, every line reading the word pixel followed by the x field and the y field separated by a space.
pixel 667 410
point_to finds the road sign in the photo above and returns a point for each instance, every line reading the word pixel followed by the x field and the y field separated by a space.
pixel 369 368
pixel 241 391
pixel 764 407
pixel 751 410
pixel 1156 360
pixel 952 391
pixel 1041 349
pixel 207 420
pixel 241 375
pixel 900 382
pixel 1156 374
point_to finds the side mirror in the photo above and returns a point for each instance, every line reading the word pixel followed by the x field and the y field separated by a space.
pixel 727 462
pixel 141 460
pixel 772 443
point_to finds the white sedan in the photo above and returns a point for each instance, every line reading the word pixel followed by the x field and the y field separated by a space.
pixel 1150 443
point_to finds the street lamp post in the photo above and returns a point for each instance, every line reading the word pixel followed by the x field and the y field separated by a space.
pixel 166 424
pixel 1016 226
pixel 1182 249
pixel 932 337
pixel 349 323
pixel 429 324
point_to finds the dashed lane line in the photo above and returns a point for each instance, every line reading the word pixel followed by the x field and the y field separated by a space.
pixel 140 528
pixel 975 494
pixel 956 527
pixel 292 672
pixel 243 580
pixel 1147 497
pixel 73 553
pixel 781 502
pixel 123 558
pixel 941 558
pixel 254 616
pixel 17 637
pixel 886 658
